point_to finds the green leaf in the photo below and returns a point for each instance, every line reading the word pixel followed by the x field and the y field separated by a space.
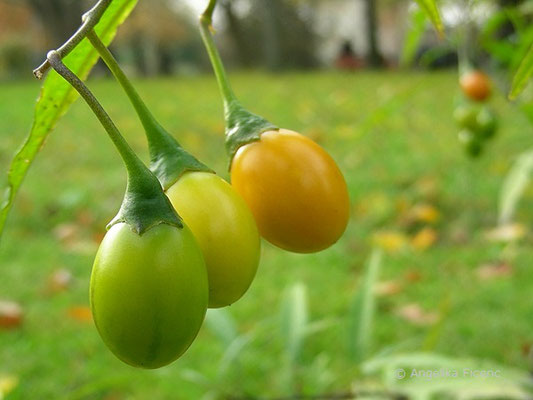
pixel 294 320
pixel 417 27
pixel 362 311
pixel 514 186
pixel 56 97
pixel 432 11
pixel 522 75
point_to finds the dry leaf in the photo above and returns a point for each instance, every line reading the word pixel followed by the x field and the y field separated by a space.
pixel 85 218
pixel 495 270
pixel 59 281
pixel 425 213
pixel 10 315
pixel 526 349
pixel 80 313
pixel 413 276
pixel 390 241
pixel 424 239
pixel 416 315
pixel 388 288
pixel 66 233
pixel 7 384
pixel 427 187
pixel 507 233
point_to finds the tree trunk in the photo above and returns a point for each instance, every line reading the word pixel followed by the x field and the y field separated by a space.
pixel 60 18
pixel 235 30
pixel 271 34
pixel 374 57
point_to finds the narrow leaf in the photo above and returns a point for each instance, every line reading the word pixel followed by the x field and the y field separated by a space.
pixel 294 320
pixel 417 27
pixel 522 75
pixel 514 186
pixel 56 97
pixel 362 311
pixel 432 11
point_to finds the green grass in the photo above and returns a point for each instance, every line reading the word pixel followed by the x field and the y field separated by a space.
pixel 393 136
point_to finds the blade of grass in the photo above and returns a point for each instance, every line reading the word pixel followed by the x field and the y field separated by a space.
pixel 362 311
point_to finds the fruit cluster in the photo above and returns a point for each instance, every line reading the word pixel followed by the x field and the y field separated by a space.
pixel 185 239
pixel 476 120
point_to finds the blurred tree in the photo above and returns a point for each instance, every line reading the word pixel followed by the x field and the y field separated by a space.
pixel 374 57
pixel 60 18
pixel 272 33
pixel 242 46
pixel 156 47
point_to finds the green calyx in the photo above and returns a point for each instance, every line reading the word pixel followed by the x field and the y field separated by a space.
pixel 168 160
pixel 145 205
pixel 243 127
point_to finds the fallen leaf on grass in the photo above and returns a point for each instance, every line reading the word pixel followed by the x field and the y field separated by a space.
pixel 390 241
pixel 7 384
pixel 66 233
pixel 424 239
pixel 413 276
pixel 424 213
pixel 427 187
pixel 507 233
pixel 10 315
pixel 526 349
pixel 80 313
pixel 416 315
pixel 59 281
pixel 495 270
pixel 388 288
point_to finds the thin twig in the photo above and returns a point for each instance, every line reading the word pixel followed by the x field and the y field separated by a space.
pixel 89 21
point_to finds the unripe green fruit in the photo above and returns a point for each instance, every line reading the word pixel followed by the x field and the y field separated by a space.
pixel 148 293
pixel 473 145
pixel 466 116
pixel 225 230
pixel 486 123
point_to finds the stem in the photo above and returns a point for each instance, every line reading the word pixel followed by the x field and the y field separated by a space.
pixel 145 205
pixel 168 160
pixel 89 19
pixel 206 26
pixel 132 162
pixel 150 124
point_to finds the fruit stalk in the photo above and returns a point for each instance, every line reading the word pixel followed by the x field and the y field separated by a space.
pixel 242 126
pixel 145 204
pixel 169 161
pixel 206 29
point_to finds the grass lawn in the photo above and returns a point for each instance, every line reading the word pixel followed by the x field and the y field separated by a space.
pixel 394 138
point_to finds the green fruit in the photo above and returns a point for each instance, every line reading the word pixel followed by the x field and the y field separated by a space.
pixel 225 230
pixel 473 144
pixel 466 116
pixel 487 123
pixel 148 293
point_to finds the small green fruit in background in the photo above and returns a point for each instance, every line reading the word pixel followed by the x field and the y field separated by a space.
pixel 487 123
pixel 466 116
pixel 471 141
